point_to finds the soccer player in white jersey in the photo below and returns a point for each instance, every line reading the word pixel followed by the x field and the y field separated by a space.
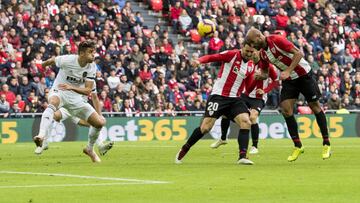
pixel 62 114
pixel 75 78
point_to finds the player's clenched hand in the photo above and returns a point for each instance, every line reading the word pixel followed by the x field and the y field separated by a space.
pixel 260 91
pixel 195 63
pixel 259 75
pixel 64 87
pixel 284 75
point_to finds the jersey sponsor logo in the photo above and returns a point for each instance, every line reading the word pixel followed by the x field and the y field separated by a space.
pixel 273 50
pixel 239 71
pixel 84 74
pixel 74 80
pixel 236 69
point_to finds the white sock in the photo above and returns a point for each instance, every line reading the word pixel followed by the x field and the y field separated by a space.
pixel 93 136
pixel 46 120
pixel 100 139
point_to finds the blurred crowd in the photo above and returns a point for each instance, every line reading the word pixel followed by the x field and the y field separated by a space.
pixel 142 71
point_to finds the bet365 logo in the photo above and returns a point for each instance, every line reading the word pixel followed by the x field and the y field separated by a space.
pixel 147 130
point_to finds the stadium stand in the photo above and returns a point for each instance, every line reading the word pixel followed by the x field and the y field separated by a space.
pixel 144 60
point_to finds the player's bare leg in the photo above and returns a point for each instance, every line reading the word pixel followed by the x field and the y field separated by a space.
pixel 254 114
pixel 97 122
pixel 46 120
pixel 243 120
pixel 196 135
pixel 225 123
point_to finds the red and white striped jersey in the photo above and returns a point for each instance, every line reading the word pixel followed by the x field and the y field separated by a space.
pixel 233 73
pixel 266 85
pixel 278 53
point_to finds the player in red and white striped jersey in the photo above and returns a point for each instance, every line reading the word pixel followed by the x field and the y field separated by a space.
pixel 225 100
pixel 297 78
pixel 254 96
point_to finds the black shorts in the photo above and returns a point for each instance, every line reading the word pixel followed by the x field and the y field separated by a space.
pixel 305 85
pixel 230 107
pixel 253 103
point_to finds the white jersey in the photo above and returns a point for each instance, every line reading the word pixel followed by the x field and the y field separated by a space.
pixel 71 72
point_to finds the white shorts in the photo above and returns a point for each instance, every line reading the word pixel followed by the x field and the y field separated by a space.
pixel 74 103
pixel 65 114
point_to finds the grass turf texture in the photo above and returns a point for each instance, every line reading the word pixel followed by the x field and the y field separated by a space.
pixel 206 174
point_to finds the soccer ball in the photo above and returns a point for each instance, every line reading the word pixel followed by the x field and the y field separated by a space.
pixel 206 28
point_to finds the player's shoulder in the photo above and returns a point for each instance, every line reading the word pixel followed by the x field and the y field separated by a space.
pixel 276 38
pixel 92 66
pixel 230 52
pixel 68 57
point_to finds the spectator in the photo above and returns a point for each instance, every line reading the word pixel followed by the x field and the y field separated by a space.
pixel 4 105
pixel 41 85
pixel 26 87
pixel 348 58
pixel 129 112
pixel 175 13
pixel 10 96
pixel 145 74
pixel 146 107
pixel 21 103
pixel 126 84
pixel 261 6
pixel 271 9
pixel 132 71
pixel 106 101
pixel 347 105
pixel 334 102
pixel 326 56
pixel 14 111
pixel 113 80
pixel 134 103
pixel 161 57
pixel 185 22
pixel 136 56
pixel 170 110
pixel 281 19
pixel 215 44
pixel 357 103
pixel 167 46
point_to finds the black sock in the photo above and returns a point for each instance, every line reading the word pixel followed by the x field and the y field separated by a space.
pixel 195 136
pixel 293 130
pixel 225 123
pixel 321 120
pixel 243 141
pixel 255 134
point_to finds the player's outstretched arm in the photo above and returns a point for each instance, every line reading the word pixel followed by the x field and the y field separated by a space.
pixel 96 102
pixel 81 90
pixel 49 62
pixel 225 56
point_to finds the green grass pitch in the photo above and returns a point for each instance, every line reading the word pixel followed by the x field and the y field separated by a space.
pixel 145 172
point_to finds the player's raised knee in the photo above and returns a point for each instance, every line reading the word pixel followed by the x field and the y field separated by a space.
pixel 101 122
pixel 286 112
pixel 57 116
pixel 245 122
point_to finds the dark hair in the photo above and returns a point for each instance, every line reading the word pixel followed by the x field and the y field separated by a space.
pixel 87 44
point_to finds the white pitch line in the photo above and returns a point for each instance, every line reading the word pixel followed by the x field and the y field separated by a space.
pixel 86 177
pixel 69 185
